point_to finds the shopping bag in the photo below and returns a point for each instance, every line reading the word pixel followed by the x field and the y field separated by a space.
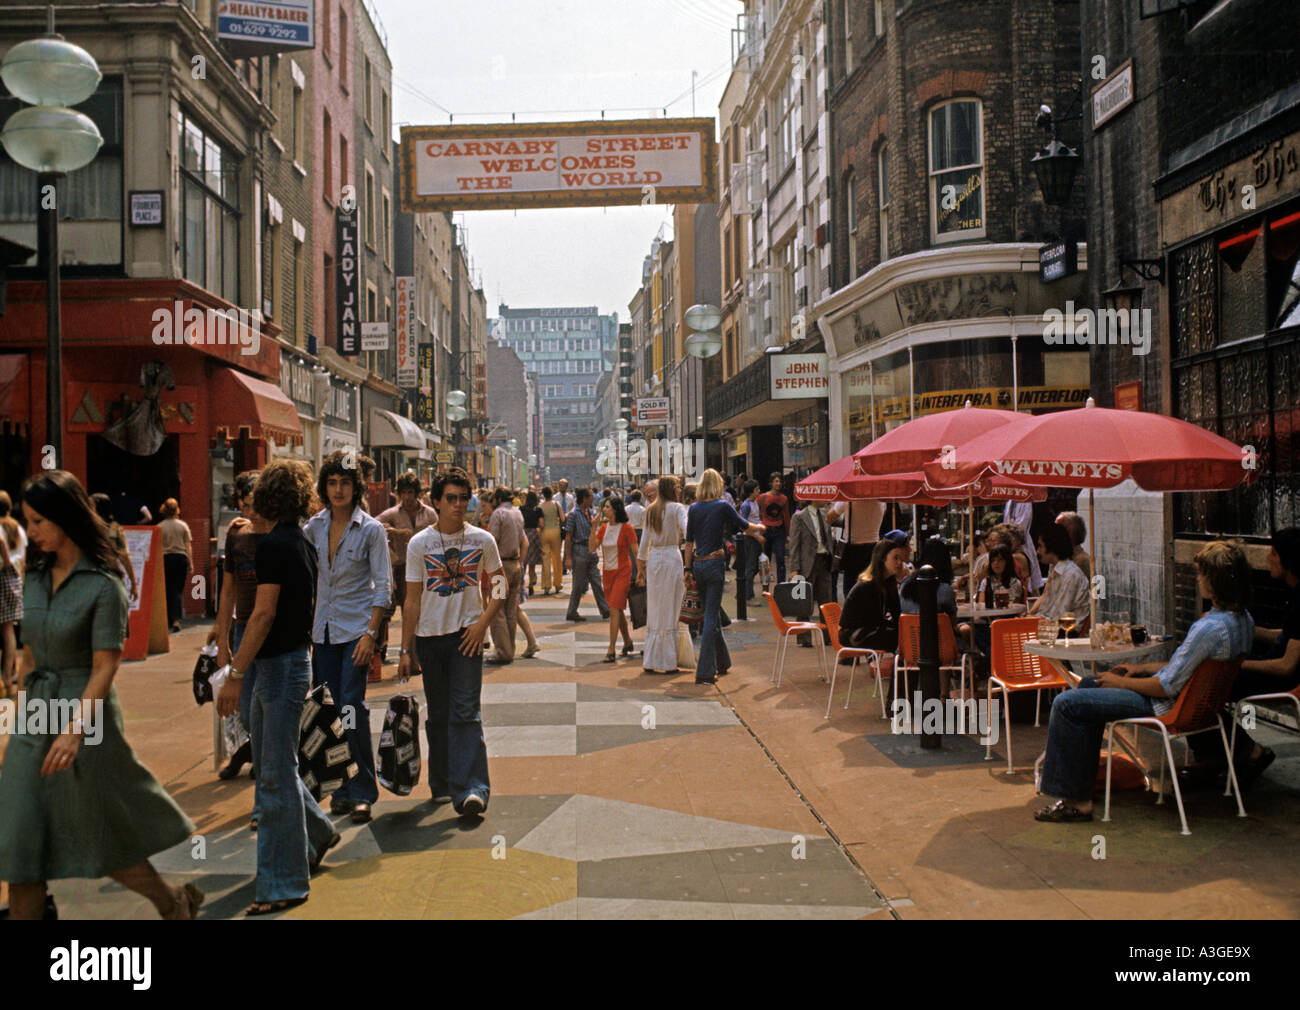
pixel 204 667
pixel 229 732
pixel 324 755
pixel 685 649
pixel 636 605
pixel 692 611
pixel 399 746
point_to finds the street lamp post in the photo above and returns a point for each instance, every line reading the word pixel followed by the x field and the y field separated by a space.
pixel 51 139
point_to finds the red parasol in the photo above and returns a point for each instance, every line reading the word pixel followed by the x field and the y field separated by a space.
pixel 914 443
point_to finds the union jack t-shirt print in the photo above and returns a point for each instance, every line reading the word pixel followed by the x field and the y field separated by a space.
pixel 453 571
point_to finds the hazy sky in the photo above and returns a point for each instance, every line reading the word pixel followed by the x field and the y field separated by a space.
pixel 562 61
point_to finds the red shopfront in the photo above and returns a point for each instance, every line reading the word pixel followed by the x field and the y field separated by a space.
pixel 107 343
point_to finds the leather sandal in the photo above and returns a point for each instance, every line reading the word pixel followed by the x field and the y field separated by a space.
pixel 1062 812
pixel 272 907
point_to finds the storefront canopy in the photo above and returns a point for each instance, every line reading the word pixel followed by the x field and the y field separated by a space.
pixel 392 431
pixel 240 401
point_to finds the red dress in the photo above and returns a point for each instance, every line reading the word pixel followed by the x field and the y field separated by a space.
pixel 617 582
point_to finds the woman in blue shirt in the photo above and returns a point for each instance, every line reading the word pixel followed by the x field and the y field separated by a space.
pixel 709 522
pixel 1079 717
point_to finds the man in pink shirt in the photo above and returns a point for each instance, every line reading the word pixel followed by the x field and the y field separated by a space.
pixel 401 522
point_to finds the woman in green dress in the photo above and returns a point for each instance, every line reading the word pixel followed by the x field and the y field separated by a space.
pixel 76 801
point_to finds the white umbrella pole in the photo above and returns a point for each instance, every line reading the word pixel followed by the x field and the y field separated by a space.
pixel 1092 559
pixel 970 511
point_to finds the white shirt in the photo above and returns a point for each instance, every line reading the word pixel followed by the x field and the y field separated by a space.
pixel 673 532
pixel 450 599
pixel 18 553
pixel 610 546
pixel 635 514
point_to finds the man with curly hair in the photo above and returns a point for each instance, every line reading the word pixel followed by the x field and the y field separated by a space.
pixel 293 834
pixel 354 586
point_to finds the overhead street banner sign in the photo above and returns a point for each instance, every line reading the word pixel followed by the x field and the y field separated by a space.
pixel 593 164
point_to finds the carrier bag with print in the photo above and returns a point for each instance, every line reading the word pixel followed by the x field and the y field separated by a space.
pixel 399 746
pixel 324 757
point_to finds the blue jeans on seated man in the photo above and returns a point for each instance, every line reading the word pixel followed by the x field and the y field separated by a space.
pixel 714 656
pixel 453 688
pixel 1075 732
pixel 293 828
pixel 332 666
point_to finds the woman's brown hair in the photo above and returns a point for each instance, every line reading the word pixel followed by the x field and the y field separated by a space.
pixel 876 571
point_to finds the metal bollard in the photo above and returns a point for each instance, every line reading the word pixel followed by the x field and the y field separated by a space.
pixel 742 547
pixel 927 584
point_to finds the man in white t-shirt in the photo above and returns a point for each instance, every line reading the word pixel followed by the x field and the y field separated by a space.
pixel 636 512
pixel 444 622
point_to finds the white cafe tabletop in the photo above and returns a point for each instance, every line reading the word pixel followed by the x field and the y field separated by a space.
pixel 1080 650
pixel 966 610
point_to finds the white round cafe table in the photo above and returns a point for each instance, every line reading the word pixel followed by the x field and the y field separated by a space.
pixel 1080 650
pixel 967 612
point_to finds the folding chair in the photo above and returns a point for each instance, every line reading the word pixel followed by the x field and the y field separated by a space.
pixel 1013 669
pixel 788 628
pixel 1197 710
pixel 831 618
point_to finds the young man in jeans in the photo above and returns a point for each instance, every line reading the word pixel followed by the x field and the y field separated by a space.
pixel 353 590
pixel 775 508
pixel 443 626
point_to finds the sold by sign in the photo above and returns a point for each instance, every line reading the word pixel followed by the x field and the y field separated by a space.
pixel 799 376
pixel 651 411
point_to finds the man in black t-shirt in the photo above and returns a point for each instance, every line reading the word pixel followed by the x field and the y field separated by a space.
pixel 1278 671
pixel 278 638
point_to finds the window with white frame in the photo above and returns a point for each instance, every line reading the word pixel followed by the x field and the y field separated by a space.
pixel 209 211
pixel 882 182
pixel 956 171
pixel 783 113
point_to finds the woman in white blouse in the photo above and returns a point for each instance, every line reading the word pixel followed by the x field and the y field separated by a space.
pixel 659 569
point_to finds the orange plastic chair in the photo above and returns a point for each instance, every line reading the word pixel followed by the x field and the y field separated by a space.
pixel 909 650
pixel 831 617
pixel 1014 670
pixel 788 628
pixel 1198 709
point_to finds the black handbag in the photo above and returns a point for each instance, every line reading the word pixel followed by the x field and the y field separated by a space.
pixel 636 605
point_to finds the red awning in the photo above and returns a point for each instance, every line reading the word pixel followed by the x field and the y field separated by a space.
pixel 240 401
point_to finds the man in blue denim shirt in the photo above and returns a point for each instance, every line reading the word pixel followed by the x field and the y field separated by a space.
pixel 354 585
pixel 1079 717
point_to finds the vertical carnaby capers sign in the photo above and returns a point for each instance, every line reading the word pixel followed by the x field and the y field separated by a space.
pixel 347 284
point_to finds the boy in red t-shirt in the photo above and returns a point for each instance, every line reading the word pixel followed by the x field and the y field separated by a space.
pixel 774 507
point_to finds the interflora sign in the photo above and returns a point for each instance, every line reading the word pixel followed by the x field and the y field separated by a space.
pixel 592 164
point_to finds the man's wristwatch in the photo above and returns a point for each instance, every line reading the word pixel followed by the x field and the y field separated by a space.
pixel 235 673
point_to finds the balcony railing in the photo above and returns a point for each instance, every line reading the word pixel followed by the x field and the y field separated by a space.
pixel 748 388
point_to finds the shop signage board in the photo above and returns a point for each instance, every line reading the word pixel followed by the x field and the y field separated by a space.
pixel 146 208
pixel 1112 96
pixel 444 456
pixel 407 364
pixel 147 606
pixel 799 376
pixel 1128 395
pixel 347 285
pixel 589 164
pixel 651 411
pixel 424 398
pixel 374 337
pixel 1057 260
pixel 283 24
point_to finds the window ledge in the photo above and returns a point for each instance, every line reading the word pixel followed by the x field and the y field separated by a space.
pixel 276 142
pixel 302 172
